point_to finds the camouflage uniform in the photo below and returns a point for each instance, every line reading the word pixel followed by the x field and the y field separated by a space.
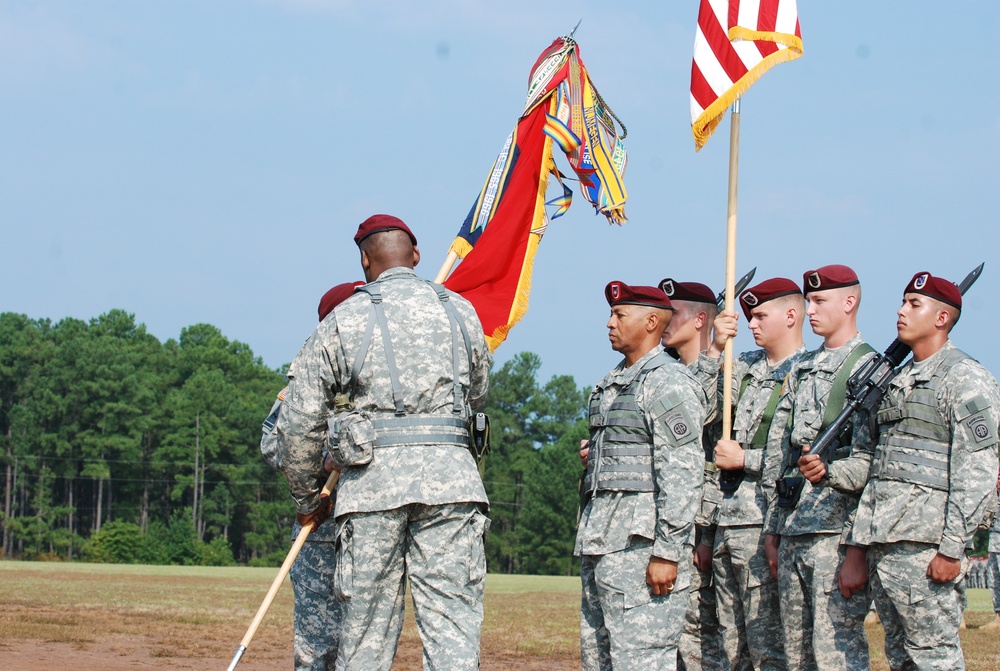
pixel 994 570
pixel 823 630
pixel 700 645
pixel 934 472
pixel 623 625
pixel 747 594
pixel 317 614
pixel 418 503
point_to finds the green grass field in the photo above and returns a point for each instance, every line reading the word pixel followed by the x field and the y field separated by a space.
pixel 57 616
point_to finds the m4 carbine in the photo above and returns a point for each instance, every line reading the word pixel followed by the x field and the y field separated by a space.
pixel 865 390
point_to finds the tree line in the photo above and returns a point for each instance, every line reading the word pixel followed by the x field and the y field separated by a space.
pixel 116 447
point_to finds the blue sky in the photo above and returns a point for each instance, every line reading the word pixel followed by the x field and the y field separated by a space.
pixel 209 161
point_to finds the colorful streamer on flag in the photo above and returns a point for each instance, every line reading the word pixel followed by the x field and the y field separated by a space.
pixel 736 42
pixel 500 235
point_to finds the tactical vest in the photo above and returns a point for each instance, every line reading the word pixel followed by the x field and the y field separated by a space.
pixel 414 429
pixel 621 457
pixel 915 442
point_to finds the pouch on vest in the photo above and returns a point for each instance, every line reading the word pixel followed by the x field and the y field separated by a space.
pixel 351 438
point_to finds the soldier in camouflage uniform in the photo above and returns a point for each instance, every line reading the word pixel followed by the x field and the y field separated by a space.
pixel 932 482
pixel 642 490
pixel 824 629
pixel 994 571
pixel 317 612
pixel 688 334
pixel 747 591
pixel 410 503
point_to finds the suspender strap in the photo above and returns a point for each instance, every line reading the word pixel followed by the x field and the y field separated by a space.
pixel 456 324
pixel 838 393
pixel 760 436
pixel 359 359
pixel 379 311
pixel 377 314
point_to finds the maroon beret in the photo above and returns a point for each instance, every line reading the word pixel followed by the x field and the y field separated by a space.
pixel 828 277
pixel 767 290
pixel 696 292
pixel 336 296
pixel 381 222
pixel 935 287
pixel 619 293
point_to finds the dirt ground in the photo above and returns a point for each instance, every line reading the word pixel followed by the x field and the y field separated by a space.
pixel 54 618
pixel 129 653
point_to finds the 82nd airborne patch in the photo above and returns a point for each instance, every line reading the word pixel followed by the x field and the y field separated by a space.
pixel 678 426
pixel 981 428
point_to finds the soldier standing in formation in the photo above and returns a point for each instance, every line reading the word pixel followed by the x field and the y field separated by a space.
pixel 317 613
pixel 643 487
pixel 412 358
pixel 823 626
pixel 932 482
pixel 994 571
pixel 745 584
pixel 689 334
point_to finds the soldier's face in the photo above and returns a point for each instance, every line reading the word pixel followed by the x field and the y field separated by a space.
pixel 626 327
pixel 683 327
pixel 765 323
pixel 825 311
pixel 917 317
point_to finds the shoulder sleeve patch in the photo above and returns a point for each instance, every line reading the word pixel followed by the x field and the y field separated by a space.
pixel 980 422
pixel 680 426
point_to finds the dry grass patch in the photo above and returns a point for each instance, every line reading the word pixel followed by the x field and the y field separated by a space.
pixel 58 616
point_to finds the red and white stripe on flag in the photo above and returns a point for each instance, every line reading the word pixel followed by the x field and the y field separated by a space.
pixel 736 42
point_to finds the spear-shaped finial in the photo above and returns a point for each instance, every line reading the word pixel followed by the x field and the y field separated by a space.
pixel 570 36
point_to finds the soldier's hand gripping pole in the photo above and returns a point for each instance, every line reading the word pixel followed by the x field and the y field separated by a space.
pixel 865 390
pixel 286 566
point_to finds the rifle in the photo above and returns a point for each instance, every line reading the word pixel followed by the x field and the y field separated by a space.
pixel 865 390
pixel 720 299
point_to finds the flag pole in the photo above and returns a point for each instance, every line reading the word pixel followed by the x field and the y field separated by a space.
pixel 449 263
pixel 727 365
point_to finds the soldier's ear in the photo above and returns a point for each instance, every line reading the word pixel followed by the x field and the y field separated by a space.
pixel 416 256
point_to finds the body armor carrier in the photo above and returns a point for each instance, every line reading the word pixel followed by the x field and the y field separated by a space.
pixel 915 442
pixel 622 443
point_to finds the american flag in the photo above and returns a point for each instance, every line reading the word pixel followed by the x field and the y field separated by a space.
pixel 737 41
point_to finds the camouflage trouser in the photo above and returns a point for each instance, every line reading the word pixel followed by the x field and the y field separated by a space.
pixel 317 613
pixel 747 601
pixel 921 617
pixel 622 625
pixel 995 580
pixel 823 630
pixel 440 548
pixel 700 646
